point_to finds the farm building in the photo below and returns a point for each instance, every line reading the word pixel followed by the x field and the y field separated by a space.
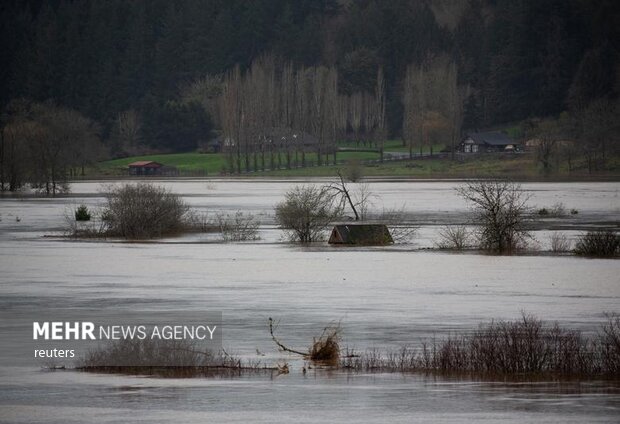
pixel 149 167
pixel 485 142
pixel 361 234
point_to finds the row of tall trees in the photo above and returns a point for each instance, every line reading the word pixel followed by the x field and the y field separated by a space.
pixel 273 115
pixel 589 136
pixel 433 104
pixel 43 144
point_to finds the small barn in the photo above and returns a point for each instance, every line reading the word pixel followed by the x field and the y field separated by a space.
pixel 494 141
pixel 361 234
pixel 149 167
pixel 144 167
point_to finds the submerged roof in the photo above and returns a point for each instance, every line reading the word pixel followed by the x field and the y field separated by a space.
pixel 494 138
pixel 361 234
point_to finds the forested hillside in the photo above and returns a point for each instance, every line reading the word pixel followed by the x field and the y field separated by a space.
pixel 132 63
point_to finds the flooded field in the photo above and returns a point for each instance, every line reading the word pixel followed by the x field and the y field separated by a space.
pixel 384 297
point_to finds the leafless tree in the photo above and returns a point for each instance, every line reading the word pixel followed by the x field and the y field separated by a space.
pixel 231 113
pixel 379 128
pixel 454 237
pixel 548 136
pixel 414 101
pixel 44 144
pixel 306 212
pixel 14 154
pixel 340 190
pixel 500 211
pixel 128 130
pixel 143 211
pixel 455 101
pixel 433 103
pixel 355 114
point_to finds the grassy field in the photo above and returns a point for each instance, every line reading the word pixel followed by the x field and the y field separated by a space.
pixel 433 168
pixel 519 166
pixel 212 163
pixel 208 163
pixel 393 146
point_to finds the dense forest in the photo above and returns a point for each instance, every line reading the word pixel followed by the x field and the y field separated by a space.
pixel 133 66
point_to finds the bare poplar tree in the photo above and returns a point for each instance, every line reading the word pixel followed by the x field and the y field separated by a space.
pixel 355 115
pixel 414 103
pixel 301 120
pixel 380 131
pixel 455 101
pixel 128 128
pixel 231 113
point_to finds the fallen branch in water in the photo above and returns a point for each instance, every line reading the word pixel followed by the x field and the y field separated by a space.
pixel 280 345
pixel 325 349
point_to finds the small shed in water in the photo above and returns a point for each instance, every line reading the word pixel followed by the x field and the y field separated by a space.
pixel 361 234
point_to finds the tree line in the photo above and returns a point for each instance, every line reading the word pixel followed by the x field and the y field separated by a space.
pixel 43 144
pixel 273 115
pixel 136 67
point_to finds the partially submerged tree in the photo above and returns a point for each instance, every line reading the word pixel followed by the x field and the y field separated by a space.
pixel 341 191
pixel 306 212
pixel 601 243
pixel 143 211
pixel 501 211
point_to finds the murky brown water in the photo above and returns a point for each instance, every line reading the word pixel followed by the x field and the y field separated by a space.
pixel 385 298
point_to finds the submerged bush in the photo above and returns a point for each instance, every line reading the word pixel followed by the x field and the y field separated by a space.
pixel 144 211
pixel 521 347
pixel 238 227
pixel 326 349
pixel 454 237
pixel 82 213
pixel 306 212
pixel 501 212
pixel 560 243
pixel 598 243
pixel 164 358
pixel 558 210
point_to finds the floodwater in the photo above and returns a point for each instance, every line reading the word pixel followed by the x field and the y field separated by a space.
pixel 384 297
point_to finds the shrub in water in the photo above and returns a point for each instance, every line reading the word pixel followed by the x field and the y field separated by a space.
pixel 144 211
pixel 560 243
pixel 598 243
pixel 238 227
pixel 454 237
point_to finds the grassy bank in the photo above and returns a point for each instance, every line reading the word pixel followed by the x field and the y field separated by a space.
pixel 516 166
pixel 212 163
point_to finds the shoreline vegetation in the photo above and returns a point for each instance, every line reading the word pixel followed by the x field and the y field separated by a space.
pixel 526 349
pixel 143 211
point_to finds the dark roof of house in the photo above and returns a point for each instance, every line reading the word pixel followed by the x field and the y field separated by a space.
pixel 494 138
pixel 145 164
pixel 361 234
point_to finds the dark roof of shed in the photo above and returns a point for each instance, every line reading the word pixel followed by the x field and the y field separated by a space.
pixel 494 138
pixel 361 234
